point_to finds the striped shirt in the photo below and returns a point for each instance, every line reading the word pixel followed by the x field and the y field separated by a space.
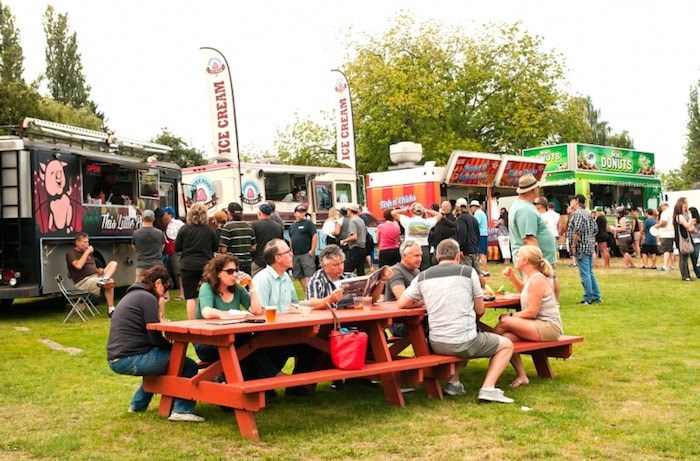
pixel 238 238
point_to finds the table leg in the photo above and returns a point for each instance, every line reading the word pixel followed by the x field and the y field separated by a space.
pixel 177 360
pixel 390 382
pixel 246 424
pixel 420 347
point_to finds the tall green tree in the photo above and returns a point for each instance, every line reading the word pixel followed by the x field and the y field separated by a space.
pixel 182 154
pixel 690 169
pixel 580 122
pixel 11 54
pixel 64 68
pixel 306 142
pixel 494 91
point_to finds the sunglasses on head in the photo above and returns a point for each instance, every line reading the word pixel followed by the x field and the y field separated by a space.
pixel 230 271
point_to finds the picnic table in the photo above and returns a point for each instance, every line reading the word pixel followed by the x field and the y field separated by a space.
pixel 248 397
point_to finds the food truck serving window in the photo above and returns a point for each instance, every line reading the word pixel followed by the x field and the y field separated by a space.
pixel 148 183
pixel 107 183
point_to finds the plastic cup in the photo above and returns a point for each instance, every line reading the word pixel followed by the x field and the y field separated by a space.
pixel 366 302
pixel 305 309
pixel 357 302
pixel 270 313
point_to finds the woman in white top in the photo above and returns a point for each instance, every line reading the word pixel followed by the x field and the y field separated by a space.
pixel 538 319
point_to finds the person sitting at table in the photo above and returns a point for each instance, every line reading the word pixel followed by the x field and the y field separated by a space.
pixel 322 292
pixel 454 299
pixel 134 350
pixel 275 288
pixel 539 318
pixel 403 274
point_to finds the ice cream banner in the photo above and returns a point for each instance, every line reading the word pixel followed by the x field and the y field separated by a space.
pixel 556 157
pixel 614 160
pixel 472 170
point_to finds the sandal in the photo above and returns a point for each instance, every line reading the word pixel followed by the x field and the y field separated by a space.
pixel 519 382
pixel 179 298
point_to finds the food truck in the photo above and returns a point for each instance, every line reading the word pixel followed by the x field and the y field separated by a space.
pixel 59 180
pixel 606 176
pixel 471 175
pixel 250 184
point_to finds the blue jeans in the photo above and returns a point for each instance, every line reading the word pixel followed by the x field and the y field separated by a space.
pixel 694 260
pixel 591 292
pixel 152 363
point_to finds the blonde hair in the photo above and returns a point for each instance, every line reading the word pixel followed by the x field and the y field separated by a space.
pixel 333 213
pixel 534 256
pixel 197 215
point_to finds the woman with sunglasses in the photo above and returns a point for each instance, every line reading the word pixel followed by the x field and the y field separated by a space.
pixel 221 296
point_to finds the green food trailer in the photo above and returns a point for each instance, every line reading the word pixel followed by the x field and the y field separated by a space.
pixel 606 176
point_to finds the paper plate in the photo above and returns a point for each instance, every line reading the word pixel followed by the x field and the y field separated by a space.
pixel 654 231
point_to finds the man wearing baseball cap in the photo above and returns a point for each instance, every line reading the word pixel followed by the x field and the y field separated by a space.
pixel 265 230
pixel 417 227
pixel 237 238
pixel 304 239
pixel 527 227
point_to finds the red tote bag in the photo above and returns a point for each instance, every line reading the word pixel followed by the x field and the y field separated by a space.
pixel 348 347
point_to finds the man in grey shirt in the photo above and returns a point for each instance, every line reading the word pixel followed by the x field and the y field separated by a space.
pixel 355 241
pixel 148 243
pixel 403 274
pixel 453 299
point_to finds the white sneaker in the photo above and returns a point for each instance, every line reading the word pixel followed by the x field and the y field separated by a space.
pixel 454 388
pixel 493 395
pixel 102 281
pixel 188 417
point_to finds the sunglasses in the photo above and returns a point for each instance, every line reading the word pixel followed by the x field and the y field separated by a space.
pixel 230 271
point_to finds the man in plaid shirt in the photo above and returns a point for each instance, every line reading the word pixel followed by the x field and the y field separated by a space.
pixel 581 232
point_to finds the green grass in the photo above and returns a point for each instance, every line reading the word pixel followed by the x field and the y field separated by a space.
pixel 630 391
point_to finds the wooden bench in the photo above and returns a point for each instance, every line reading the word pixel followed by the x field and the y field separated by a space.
pixel 542 350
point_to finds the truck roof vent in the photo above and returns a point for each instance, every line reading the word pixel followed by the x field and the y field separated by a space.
pixel 406 153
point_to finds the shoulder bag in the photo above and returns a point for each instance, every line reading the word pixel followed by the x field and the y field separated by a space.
pixel 348 347
pixel 685 244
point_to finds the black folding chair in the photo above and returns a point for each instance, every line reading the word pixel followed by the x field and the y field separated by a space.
pixel 78 301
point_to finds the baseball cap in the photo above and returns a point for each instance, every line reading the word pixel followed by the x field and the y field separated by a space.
pixel 579 198
pixel 169 210
pixel 475 203
pixel 354 208
pixel 300 208
pixel 460 203
pixel 526 183
pixel 265 209
pixel 417 208
pixel 235 207
pixel 148 215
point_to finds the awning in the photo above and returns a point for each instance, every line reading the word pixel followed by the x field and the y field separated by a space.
pixel 561 178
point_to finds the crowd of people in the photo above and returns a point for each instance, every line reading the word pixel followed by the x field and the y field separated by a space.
pixel 434 256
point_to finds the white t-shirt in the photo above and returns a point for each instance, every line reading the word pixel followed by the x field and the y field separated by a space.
pixel 551 218
pixel 666 232
pixel 417 228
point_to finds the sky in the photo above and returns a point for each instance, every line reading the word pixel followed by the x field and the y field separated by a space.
pixel 636 59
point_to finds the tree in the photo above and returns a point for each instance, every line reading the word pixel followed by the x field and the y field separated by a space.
pixel 11 54
pixel 306 142
pixel 182 154
pixel 432 84
pixel 64 69
pixel 579 122
pixel 690 169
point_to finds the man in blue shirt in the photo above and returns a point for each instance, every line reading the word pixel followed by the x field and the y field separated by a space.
pixel 483 221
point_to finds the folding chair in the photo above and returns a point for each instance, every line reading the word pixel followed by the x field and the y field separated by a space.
pixel 77 299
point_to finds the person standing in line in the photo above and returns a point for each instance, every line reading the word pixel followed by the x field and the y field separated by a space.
pixel 602 237
pixel 331 227
pixel 265 229
pixel 527 227
pixel 649 246
pixel 454 300
pixel 238 238
pixel 695 237
pixel 468 238
pixel 581 231
pixel 304 240
pixel 503 236
pixel 149 243
pixel 445 228
pixel 475 208
pixel 683 224
pixel 85 273
pixel 197 243
pixel 636 229
pixel 417 227
pixel 274 215
pixel 355 241
pixel 624 236
pixel 388 234
pixel 172 227
pixel 133 349
pixel 666 236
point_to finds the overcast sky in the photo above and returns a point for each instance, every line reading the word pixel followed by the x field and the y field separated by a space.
pixel 636 59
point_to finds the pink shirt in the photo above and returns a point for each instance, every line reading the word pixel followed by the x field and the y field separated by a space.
pixel 388 234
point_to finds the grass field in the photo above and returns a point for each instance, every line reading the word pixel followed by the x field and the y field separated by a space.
pixel 630 391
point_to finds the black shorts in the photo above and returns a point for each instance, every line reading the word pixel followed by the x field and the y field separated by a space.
pixel 650 249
